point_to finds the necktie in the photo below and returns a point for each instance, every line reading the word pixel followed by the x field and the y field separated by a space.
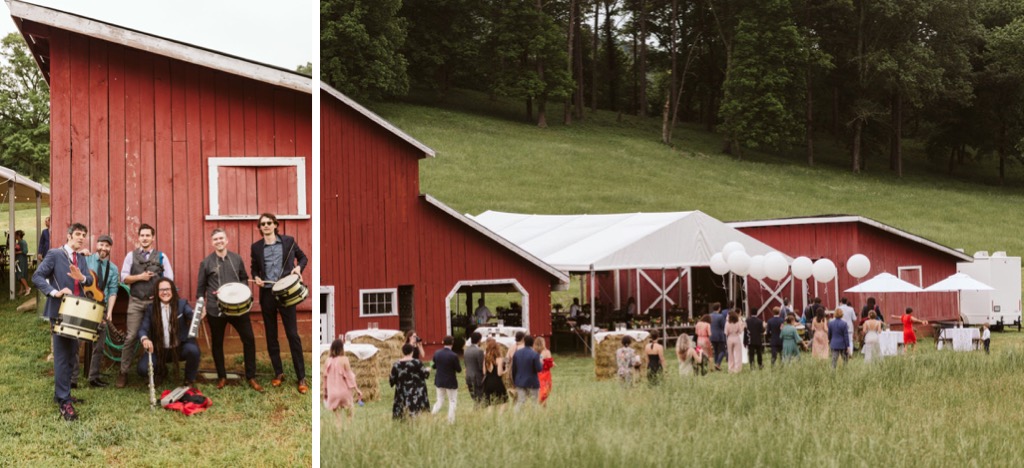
pixel 78 286
pixel 145 255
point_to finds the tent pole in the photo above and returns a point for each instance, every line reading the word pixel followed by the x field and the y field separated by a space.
pixel 689 292
pixel 11 261
pixel 664 309
pixel 593 315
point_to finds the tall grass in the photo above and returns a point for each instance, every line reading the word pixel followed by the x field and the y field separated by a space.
pixel 934 408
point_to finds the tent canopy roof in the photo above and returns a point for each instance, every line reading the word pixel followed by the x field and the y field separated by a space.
pixel 24 188
pixel 577 243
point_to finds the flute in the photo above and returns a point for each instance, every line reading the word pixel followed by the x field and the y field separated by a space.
pixel 152 386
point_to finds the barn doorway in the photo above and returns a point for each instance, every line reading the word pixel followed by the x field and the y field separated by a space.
pixel 507 300
pixel 406 308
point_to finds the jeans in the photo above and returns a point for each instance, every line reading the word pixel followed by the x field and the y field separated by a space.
pixel 840 352
pixel 450 394
pixel 241 324
pixel 271 309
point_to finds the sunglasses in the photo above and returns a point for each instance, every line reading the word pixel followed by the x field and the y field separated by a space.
pixel 267 223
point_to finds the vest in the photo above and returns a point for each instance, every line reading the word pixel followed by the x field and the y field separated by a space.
pixel 144 289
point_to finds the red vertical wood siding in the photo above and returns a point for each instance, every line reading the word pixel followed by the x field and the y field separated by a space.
pixel 131 134
pixel 384 235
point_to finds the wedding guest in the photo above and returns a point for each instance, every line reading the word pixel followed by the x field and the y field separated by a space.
pixel 839 339
pixel 409 378
pixel 494 389
pixel 526 364
pixel 703 331
pixel 474 359
pixel 718 338
pixel 909 337
pixel 790 340
pixel 774 326
pixel 540 346
pixel 819 334
pixel 627 362
pixel 755 342
pixel 986 336
pixel 655 358
pixel 690 361
pixel 339 382
pixel 413 339
pixel 871 329
pixel 446 362
pixel 734 338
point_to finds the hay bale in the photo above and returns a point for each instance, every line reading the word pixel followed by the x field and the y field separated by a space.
pixel 606 368
pixel 390 350
pixel 367 373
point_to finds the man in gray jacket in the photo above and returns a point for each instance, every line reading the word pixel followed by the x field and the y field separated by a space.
pixel 474 357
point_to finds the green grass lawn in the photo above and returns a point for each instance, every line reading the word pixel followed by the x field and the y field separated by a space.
pixel 934 408
pixel 116 427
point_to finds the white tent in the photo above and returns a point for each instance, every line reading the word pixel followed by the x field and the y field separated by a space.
pixel 20 189
pixel 631 241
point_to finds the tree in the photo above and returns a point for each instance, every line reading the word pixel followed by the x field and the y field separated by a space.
pixel 24 111
pixel 360 44
pixel 442 46
pixel 306 69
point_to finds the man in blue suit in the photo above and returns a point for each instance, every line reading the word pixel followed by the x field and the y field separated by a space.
pixel 718 317
pixel 63 272
pixel 447 364
pixel 839 339
pixel 775 333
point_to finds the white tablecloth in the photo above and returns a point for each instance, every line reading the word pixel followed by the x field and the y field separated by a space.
pixel 889 342
pixel 361 351
pixel 963 338
pixel 500 331
pixel 382 335
pixel 638 335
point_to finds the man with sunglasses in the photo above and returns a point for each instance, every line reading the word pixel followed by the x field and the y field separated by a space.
pixel 274 257
pixel 141 270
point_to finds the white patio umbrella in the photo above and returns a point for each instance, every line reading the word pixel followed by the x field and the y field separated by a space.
pixel 885 283
pixel 959 282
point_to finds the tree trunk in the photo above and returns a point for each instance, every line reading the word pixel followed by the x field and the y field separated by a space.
pixel 610 49
pixel 578 21
pixel 529 109
pixel 835 111
pixel 896 156
pixel 593 76
pixel 809 124
pixel 1002 152
pixel 567 112
pixel 643 59
pixel 858 125
pixel 634 98
pixel 952 160
pixel 542 101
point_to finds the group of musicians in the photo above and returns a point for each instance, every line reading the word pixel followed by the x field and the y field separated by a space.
pixel 158 318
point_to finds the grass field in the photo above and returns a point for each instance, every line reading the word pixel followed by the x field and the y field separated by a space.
pixel 116 426
pixel 935 408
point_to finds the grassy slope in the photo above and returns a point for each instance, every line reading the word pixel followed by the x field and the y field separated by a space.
pixel 488 160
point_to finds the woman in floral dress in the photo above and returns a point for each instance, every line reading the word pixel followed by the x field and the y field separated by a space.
pixel 409 378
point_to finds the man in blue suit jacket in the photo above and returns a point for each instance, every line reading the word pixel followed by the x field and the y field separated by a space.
pixel 63 272
pixel 839 339
pixel 171 343
pixel 775 333
pixel 718 316
pixel 447 364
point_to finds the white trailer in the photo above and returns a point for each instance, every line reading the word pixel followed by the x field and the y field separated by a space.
pixel 1001 306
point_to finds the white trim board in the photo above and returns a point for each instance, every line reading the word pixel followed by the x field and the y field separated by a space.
pixel 427 151
pixel 215 163
pixel 327 323
pixel 394 302
pixel 160 46
pixel 460 284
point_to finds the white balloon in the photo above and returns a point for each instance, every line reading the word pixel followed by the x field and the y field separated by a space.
pixel 757 267
pixel 802 267
pixel 858 266
pixel 731 247
pixel 775 266
pixel 824 270
pixel 739 262
pixel 718 264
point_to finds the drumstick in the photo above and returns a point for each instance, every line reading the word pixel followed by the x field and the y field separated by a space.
pixel 264 281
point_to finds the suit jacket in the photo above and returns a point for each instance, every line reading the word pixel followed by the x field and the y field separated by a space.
pixel 52 275
pixel 775 331
pixel 718 327
pixel 755 327
pixel 526 364
pixel 291 253
pixel 447 364
pixel 474 357
pixel 837 334
pixel 184 316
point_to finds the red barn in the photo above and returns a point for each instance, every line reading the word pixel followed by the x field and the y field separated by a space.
pixel 908 256
pixel 150 130
pixel 399 258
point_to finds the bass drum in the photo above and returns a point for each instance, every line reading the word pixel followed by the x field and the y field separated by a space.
pixel 234 299
pixel 290 291
pixel 79 318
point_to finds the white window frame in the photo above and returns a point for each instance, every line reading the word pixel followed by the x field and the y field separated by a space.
pixel 920 273
pixel 327 323
pixel 394 302
pixel 216 163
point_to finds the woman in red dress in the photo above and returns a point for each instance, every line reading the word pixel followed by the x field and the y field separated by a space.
pixel 545 374
pixel 908 320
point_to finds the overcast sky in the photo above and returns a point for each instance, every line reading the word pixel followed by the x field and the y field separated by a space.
pixel 274 32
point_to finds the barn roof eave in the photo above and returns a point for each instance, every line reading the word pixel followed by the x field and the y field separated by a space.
pixel 427 151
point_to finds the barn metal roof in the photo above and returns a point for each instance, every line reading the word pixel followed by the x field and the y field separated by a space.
pixel 602 242
pixel 377 119
pixel 832 219
pixel 35 21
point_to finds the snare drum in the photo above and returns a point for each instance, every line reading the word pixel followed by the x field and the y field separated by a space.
pixel 290 290
pixel 79 317
pixel 234 299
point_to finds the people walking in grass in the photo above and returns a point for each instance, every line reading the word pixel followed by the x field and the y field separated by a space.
pixel 819 336
pixel 871 329
pixel 755 341
pixel 986 336
pixel 909 337
pixel 718 339
pixel 339 382
pixel 871 305
pixel 627 362
pixel 689 359
pixel 446 364
pixel 655 358
pixel 791 341
pixel 526 364
pixel 413 339
pixel 774 330
pixel 734 341
pixel 839 339
pixel 409 378
pixel 849 316
pixel 494 389
pixel 547 362
pixel 703 331
pixel 473 356
pixel 512 351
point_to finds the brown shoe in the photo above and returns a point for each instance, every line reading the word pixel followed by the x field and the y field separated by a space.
pixel 122 381
pixel 255 385
pixel 221 383
pixel 277 380
pixel 303 387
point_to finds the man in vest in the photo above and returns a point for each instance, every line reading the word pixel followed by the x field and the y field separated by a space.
pixel 107 280
pixel 141 270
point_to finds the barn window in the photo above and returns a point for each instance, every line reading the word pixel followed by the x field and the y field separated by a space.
pixel 911 274
pixel 242 188
pixel 326 314
pixel 378 302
